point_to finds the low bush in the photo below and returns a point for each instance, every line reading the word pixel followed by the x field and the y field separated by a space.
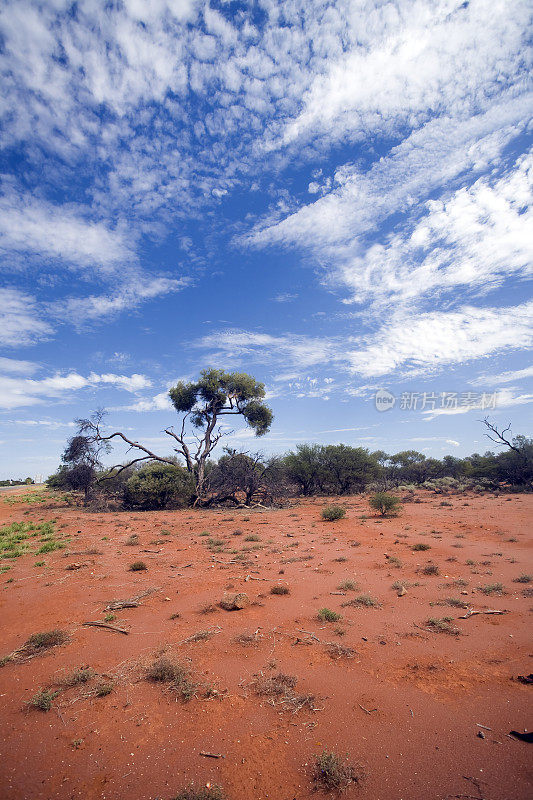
pixel 388 505
pixel 158 486
pixel 333 513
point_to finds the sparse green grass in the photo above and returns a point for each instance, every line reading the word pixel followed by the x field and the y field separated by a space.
pixel 42 700
pixel 14 538
pixel 332 774
pixel 252 537
pixel 333 513
pixel 327 615
pixel 492 588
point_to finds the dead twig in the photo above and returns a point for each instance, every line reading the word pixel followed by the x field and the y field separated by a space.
pixel 309 633
pixel 211 755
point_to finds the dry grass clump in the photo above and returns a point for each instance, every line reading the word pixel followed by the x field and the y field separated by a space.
pixel 132 540
pixel 443 625
pixel 336 650
pixel 199 636
pixel 362 601
pixel 280 590
pixel 37 643
pixel 77 677
pixel 174 675
pixel 331 774
pixel 492 588
pixel 137 566
pixel 103 689
pixel 429 569
pixel 279 689
pixel 421 546
pixel 204 793
pixel 249 639
pixel 523 579
pixel 348 586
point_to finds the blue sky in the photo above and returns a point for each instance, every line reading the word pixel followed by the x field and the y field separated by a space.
pixel 333 196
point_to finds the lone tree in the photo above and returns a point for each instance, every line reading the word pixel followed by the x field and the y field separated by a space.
pixel 202 405
pixel 81 460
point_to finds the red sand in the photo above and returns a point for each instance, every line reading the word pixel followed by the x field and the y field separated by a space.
pixel 425 691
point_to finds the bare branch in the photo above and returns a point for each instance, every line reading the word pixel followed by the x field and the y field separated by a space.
pixel 500 439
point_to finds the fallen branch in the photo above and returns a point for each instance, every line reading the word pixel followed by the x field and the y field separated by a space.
pixel 472 613
pixel 106 626
pixel 211 755
pixel 312 635
pixel 131 602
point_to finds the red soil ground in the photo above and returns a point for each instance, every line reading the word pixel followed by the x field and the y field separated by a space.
pixel 426 692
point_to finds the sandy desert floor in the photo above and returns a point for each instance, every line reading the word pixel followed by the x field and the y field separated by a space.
pixel 422 712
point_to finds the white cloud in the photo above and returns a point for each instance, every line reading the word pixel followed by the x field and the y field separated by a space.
pixel 415 343
pixel 504 399
pixel 504 377
pixel 58 232
pixel 18 392
pixel 421 342
pixel 138 289
pixel 476 239
pixel 21 322
pixel 13 366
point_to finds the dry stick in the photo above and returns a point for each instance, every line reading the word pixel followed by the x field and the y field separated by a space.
pixel 106 626
pixel 211 755
pixel 472 613
pixel 483 726
pixel 366 709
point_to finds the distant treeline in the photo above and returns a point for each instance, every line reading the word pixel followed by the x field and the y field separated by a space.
pixel 311 469
pixel 21 482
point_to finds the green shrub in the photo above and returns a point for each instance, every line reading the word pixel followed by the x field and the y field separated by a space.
pixel 387 504
pixel 158 486
pixel 327 615
pixel 42 700
pixel 333 513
